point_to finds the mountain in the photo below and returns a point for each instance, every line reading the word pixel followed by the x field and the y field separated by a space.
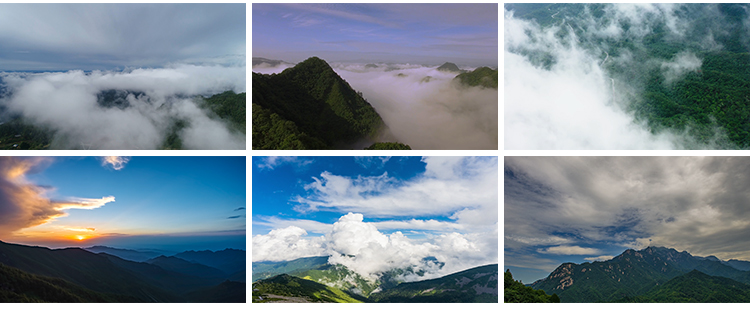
pixel 449 67
pixel 696 287
pixel 263 270
pixel 516 292
pixel 104 273
pixel 629 274
pixel 481 77
pixel 229 261
pixel 741 265
pixel 18 286
pixel 286 288
pixel 179 265
pixel 127 254
pixel 229 106
pixel 309 106
pixel 225 292
pixel 475 285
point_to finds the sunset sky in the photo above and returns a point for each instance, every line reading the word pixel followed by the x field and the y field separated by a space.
pixel 168 203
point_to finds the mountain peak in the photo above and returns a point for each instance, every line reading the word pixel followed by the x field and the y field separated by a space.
pixel 449 67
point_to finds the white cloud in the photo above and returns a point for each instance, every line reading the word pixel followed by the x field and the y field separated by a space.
pixel 269 163
pixel 116 162
pixel 67 104
pixel 462 187
pixel 569 250
pixel 681 64
pixel 599 258
pixel 359 246
pixel 285 244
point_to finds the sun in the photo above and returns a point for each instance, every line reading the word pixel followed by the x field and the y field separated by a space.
pixel 80 237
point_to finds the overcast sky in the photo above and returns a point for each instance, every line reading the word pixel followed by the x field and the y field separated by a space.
pixel 465 34
pixel 108 36
pixel 583 209
pixel 373 214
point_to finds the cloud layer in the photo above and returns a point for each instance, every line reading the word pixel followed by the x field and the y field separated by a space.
pixel 67 103
pixel 561 81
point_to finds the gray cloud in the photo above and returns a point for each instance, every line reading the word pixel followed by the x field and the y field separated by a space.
pixel 698 204
pixel 104 36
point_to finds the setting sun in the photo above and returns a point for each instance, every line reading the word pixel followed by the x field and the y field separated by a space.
pixel 80 237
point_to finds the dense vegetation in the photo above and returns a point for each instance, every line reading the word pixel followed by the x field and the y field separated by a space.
pixel 709 103
pixel 231 107
pixel 267 290
pixel 654 274
pixel 388 146
pixel 516 292
pixel 697 287
pixel 481 77
pixel 478 284
pixel 309 107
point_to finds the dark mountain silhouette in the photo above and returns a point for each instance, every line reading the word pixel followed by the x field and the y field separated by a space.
pixel 229 261
pixel 225 292
pixel 309 107
pixel 127 254
pixel 179 265
pixel 103 273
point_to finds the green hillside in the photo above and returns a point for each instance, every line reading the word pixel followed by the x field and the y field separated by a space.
pixel 697 287
pixel 516 292
pixel 268 290
pixel 309 107
pixel 481 77
pixel 476 285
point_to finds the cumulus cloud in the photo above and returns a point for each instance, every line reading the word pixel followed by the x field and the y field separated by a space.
pixel 464 188
pixel 115 162
pixel 24 204
pixel 361 247
pixel 153 101
pixel 696 204
pixel 599 258
pixel 285 244
pixel 269 163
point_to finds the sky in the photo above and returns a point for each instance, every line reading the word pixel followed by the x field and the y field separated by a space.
pixel 166 203
pixel 373 214
pixel 584 209
pixel 51 37
pixel 430 34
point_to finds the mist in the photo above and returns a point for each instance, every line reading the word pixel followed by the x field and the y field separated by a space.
pixel 421 106
pixel 564 91
pixel 66 103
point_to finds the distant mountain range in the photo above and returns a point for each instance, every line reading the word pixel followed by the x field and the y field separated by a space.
pixel 38 274
pixel 654 274
pixel 280 278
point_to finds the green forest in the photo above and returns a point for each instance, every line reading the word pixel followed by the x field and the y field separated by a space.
pixel 709 105
pixel 516 292
pixel 310 107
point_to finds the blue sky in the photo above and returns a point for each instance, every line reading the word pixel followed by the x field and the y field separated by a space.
pixel 585 209
pixel 378 209
pixel 51 37
pixel 466 34
pixel 171 203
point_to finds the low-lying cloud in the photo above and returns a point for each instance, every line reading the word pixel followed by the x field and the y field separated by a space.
pixel 67 104
pixel 423 107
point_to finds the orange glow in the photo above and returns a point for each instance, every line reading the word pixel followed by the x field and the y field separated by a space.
pixel 80 237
